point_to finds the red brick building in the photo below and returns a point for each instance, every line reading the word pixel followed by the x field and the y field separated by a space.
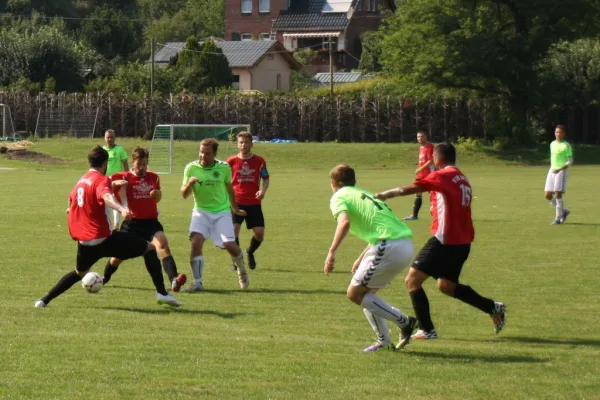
pixel 300 24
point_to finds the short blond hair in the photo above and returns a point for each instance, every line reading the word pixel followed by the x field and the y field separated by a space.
pixel 343 175
pixel 245 135
pixel 212 142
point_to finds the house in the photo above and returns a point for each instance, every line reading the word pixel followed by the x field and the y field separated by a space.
pixel 322 78
pixel 314 24
pixel 258 65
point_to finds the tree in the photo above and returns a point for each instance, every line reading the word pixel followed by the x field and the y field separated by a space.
pixel 203 68
pixel 486 46
pixel 371 51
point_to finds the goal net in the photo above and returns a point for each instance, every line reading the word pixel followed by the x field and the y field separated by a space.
pixel 77 121
pixel 8 129
pixel 165 138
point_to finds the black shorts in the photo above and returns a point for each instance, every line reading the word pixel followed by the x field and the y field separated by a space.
pixel 442 260
pixel 254 216
pixel 144 228
pixel 120 245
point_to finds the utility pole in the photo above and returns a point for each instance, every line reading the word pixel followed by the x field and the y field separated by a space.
pixel 151 67
pixel 330 66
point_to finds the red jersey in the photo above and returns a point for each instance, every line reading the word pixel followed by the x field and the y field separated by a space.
pixel 138 193
pixel 451 205
pixel 246 175
pixel 425 154
pixel 87 219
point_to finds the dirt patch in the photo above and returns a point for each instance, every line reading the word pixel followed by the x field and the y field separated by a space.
pixel 32 156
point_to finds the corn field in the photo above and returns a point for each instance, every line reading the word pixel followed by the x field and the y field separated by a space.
pixel 364 119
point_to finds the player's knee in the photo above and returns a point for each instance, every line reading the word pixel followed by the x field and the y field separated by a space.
pixel 355 294
pixel 259 234
pixel 548 196
pixel 447 287
pixel 558 195
pixel 150 248
pixel 411 282
pixel 232 248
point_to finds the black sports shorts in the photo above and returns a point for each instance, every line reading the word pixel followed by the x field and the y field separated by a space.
pixel 442 260
pixel 144 228
pixel 254 216
pixel 121 245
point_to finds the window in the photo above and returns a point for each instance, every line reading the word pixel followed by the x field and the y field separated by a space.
pixel 264 36
pixel 287 4
pixel 235 36
pixel 246 6
pixel 246 37
pixel 264 6
pixel 371 5
pixel 278 81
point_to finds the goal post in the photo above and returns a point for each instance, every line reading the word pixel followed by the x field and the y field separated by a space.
pixel 162 147
pixel 6 122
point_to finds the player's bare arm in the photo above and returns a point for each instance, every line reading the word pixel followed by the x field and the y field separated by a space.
pixel 342 229
pixel 111 201
pixel 118 184
pixel 401 191
pixel 359 259
pixel 424 167
pixel 263 190
pixel 156 194
pixel 232 202
pixel 187 189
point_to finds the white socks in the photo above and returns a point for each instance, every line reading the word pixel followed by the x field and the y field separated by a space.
pixel 379 327
pixel 560 207
pixel 377 306
pixel 239 261
pixel 197 264
pixel 553 202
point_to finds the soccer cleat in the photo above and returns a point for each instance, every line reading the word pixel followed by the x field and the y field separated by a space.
pixel 251 260
pixel 411 218
pixel 195 287
pixel 555 222
pixel 40 304
pixel 424 335
pixel 233 268
pixel 378 346
pixel 406 332
pixel 105 280
pixel 565 214
pixel 499 316
pixel 243 277
pixel 178 282
pixel 167 299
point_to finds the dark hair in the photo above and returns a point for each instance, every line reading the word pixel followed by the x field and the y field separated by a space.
pixel 447 152
pixel 343 175
pixel 97 156
pixel 139 152
pixel 211 142
pixel 245 135
pixel 562 128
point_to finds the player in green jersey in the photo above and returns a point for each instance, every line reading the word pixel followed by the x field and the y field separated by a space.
pixel 388 252
pixel 117 162
pixel 214 199
pixel 561 158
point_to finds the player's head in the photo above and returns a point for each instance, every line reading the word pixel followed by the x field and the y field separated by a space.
pixel 139 160
pixel 98 159
pixel 342 175
pixel 560 132
pixel 244 142
pixel 109 138
pixel 422 137
pixel 444 154
pixel 208 151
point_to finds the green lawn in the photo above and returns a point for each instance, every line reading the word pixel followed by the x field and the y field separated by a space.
pixel 293 334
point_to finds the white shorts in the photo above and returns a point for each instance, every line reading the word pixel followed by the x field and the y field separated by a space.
pixel 556 182
pixel 215 226
pixel 382 262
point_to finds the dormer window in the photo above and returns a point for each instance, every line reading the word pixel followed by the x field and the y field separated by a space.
pixel 264 6
pixel 246 6
pixel 336 6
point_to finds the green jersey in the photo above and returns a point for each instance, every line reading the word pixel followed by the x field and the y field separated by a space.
pixel 560 152
pixel 116 156
pixel 210 192
pixel 370 219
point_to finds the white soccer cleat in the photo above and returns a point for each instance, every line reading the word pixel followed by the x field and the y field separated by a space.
pixel 243 277
pixel 194 287
pixel 168 300
pixel 40 304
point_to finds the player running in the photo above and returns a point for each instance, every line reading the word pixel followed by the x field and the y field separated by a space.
pixel 425 168
pixel 248 169
pixel 142 190
pixel 388 252
pixel 444 254
pixel 89 226
pixel 561 158
pixel 214 199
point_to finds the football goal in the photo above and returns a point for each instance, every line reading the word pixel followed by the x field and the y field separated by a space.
pixel 8 129
pixel 162 150
pixel 77 121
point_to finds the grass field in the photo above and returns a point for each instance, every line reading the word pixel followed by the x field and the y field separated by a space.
pixel 293 334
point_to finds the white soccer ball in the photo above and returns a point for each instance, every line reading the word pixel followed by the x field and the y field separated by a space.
pixel 92 282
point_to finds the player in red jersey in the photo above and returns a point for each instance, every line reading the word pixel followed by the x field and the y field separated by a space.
pixel 425 168
pixel 444 254
pixel 142 190
pixel 89 226
pixel 248 170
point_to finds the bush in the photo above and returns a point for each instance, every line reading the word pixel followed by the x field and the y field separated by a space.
pixel 469 144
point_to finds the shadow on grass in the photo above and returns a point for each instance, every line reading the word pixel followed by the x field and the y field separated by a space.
pixel 583 223
pixel 511 359
pixel 295 271
pixel 165 310
pixel 540 155
pixel 248 291
pixel 568 342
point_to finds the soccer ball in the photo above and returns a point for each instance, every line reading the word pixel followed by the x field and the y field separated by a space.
pixel 92 282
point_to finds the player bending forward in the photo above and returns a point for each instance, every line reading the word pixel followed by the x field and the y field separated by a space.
pixel 388 252
pixel 210 182
pixel 142 190
pixel 561 158
pixel 444 254
pixel 89 226
pixel 248 169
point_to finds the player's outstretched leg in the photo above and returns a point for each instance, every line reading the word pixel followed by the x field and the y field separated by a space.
pixel 155 270
pixel 237 241
pixel 62 286
pixel 238 259
pixel 420 302
pixel 380 308
pixel 381 331
pixel 159 240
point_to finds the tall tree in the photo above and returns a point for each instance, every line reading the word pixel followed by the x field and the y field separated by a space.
pixel 203 68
